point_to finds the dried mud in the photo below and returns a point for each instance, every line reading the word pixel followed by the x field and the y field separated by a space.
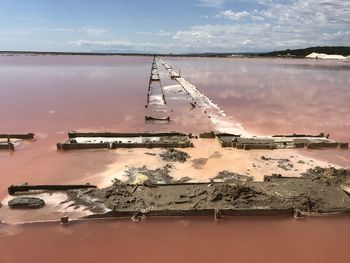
pixel 172 155
pixel 318 190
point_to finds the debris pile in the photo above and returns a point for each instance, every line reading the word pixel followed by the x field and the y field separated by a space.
pixel 236 194
pixel 172 155
pixel 230 177
pixel 329 175
pixel 138 175
pixel 283 163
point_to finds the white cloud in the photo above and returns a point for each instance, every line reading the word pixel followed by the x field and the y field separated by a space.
pixel 160 33
pixel 223 37
pixel 229 14
pixel 307 12
pixel 211 3
pixel 275 25
pixel 118 45
pixel 85 30
pixel 254 37
pixel 58 29
pixel 94 31
pixel 278 25
pixel 112 43
pixel 204 16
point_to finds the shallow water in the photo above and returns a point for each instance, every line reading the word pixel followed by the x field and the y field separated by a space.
pixel 181 240
pixel 51 95
pixel 278 96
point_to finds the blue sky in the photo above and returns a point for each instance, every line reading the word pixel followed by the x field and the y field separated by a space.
pixel 172 26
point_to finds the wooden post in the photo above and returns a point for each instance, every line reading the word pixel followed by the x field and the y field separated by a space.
pixel 64 220
pixel 217 214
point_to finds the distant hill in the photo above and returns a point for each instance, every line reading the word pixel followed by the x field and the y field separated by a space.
pixel 339 50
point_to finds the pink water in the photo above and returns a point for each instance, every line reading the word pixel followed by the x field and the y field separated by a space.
pixel 53 95
pixel 272 240
pixel 279 96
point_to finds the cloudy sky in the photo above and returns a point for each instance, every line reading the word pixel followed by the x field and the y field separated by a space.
pixel 172 25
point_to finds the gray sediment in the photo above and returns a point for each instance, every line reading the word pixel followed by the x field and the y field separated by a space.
pixel 318 191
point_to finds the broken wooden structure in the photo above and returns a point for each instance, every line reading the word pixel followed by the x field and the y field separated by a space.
pixel 156 106
pixel 112 140
pixel 172 72
pixel 9 141
pixel 25 188
pixel 22 136
pixel 7 146
pixel 280 142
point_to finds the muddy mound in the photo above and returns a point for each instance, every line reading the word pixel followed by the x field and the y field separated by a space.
pixel 327 172
pixel 320 190
pixel 199 163
pixel 184 179
pixel 282 163
pixel 305 202
pixel 100 200
pixel 235 193
pixel 227 176
pixel 172 155
pixel 329 175
pixel 138 175
pixel 26 202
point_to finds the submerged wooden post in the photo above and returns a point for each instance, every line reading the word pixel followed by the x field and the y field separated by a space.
pixel 298 214
pixel 64 220
pixel 11 146
pixel 217 214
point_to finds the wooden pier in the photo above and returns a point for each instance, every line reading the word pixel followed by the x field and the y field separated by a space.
pixel 156 103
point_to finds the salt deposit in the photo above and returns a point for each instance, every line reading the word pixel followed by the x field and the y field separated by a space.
pixel 217 116
pixel 315 55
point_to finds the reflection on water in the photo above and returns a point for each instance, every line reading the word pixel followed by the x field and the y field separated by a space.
pixel 320 240
pixel 278 96
pixel 53 95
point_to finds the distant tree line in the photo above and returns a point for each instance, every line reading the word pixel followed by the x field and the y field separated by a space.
pixel 339 50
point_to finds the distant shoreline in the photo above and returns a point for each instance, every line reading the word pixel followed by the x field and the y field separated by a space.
pixel 289 53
